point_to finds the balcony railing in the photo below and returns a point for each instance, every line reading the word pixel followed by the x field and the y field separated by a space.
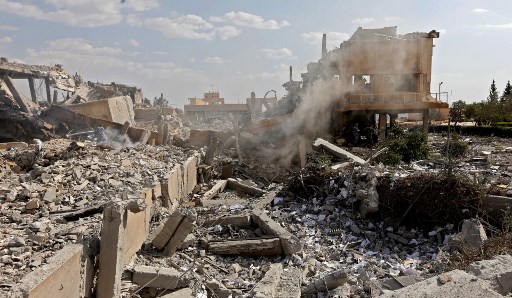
pixel 388 98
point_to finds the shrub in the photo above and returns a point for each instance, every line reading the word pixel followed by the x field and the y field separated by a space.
pixel 406 147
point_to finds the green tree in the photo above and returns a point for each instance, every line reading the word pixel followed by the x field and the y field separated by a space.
pixel 493 93
pixel 507 93
pixel 457 111
pixel 160 101
pixel 470 111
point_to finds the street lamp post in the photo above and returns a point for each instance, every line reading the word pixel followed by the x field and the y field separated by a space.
pixel 440 90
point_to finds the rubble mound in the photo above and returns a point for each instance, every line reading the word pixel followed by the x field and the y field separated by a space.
pixel 429 199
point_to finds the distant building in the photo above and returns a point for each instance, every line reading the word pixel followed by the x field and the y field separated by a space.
pixel 212 106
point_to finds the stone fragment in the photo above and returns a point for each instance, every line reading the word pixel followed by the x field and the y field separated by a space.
pixel 156 277
pixel 32 204
pixel 267 287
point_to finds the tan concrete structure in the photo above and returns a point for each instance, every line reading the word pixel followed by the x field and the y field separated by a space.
pixel 382 73
pixel 67 274
pixel 115 109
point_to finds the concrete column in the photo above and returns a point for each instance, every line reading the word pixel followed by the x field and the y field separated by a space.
pixel 32 89
pixel 426 118
pixel 382 126
pixel 48 93
pixel 111 262
pixel 55 95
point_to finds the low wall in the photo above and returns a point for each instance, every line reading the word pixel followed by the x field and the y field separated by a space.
pixel 69 273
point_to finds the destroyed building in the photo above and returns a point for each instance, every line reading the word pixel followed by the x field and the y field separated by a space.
pixel 381 73
pixel 137 208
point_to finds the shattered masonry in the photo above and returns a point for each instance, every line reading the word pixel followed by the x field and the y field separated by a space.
pixel 104 196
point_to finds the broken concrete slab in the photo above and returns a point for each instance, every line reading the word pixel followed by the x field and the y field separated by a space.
pixel 162 234
pixel 247 247
pixel 497 272
pixel 68 273
pixel 156 277
pixel 472 236
pixel 185 227
pixel 182 293
pixel 456 283
pixel 215 190
pixel 116 109
pixel 250 190
pixel 290 243
pixel 337 151
pixel 243 220
pixel 327 282
pixel 267 287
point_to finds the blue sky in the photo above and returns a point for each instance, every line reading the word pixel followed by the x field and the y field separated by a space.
pixel 183 48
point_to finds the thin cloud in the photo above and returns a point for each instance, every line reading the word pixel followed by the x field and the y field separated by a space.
pixel 278 54
pixel 185 27
pixel 6 40
pixel 93 13
pixel 498 26
pixel 245 19
pixel 133 43
pixel 480 10
pixel 8 28
pixel 362 21
pixel 334 39
pixel 227 32
pixel 214 60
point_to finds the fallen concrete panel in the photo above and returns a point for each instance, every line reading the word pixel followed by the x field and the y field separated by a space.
pixel 267 287
pixel 247 247
pixel 163 233
pixel 183 293
pixel 61 114
pixel 250 190
pixel 156 277
pixel 337 151
pixel 497 272
pixel 290 243
pixel 234 220
pixel 116 109
pixel 452 284
pixel 185 227
pixel 216 189
pixel 67 274
pixel 327 282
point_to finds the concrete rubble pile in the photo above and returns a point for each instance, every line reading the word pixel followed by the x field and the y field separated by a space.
pixel 146 221
pixel 136 203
